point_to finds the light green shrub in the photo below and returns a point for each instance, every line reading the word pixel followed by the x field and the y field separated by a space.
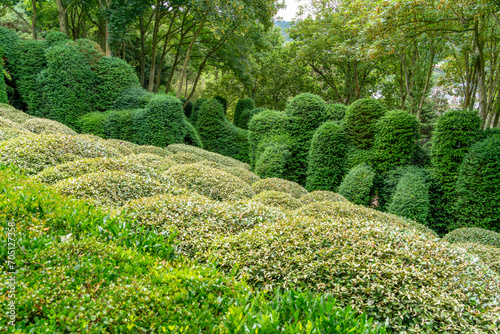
pixel 46 126
pixel 281 185
pixel 184 158
pixel 210 182
pixel 321 196
pixel 149 149
pixel 335 112
pixel 273 159
pixel 488 254
pixel 358 184
pixel 207 155
pixel 241 106
pixel 155 162
pixel 9 133
pixel 7 123
pixel 474 234
pixel 240 172
pixel 11 113
pixel 278 199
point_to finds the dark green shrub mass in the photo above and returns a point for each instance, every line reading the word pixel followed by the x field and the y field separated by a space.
pixel 474 234
pixel 93 123
pixel 247 114
pixel 119 124
pixel 90 50
pixel 241 106
pixel 114 75
pixel 411 198
pixel 478 187
pixel 395 140
pixel 335 112
pixel 357 185
pixel 360 120
pixel 192 138
pixel 55 37
pixel 163 123
pixel 8 44
pixel 306 114
pixel 218 134
pixel 3 86
pixel 132 98
pixel 223 102
pixel 456 132
pixel 262 127
pixel 195 113
pixel 327 158
pixel 388 182
pixel 273 159
pixel 66 94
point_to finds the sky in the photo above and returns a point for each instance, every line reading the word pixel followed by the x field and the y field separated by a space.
pixel 291 8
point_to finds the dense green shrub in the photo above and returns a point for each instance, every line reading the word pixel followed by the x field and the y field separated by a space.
pixel 357 185
pixel 321 196
pixel 34 153
pixel 9 112
pixel 306 115
pixel 90 50
pixel 152 161
pixel 456 132
pixel 478 187
pixel 3 87
pixel 273 159
pixel 474 234
pixel 113 77
pixel 240 172
pixel 223 102
pixel 132 98
pixel 10 133
pixel 488 254
pixel 118 124
pixel 149 149
pixel 218 134
pixel 55 37
pixel 278 199
pixel 281 185
pixel 207 155
pixel 64 95
pixel 388 182
pixel 247 114
pixel 411 198
pixel 195 113
pixel 8 44
pixel 335 112
pixel 327 158
pixel 210 182
pixel 241 106
pixel 185 158
pixel 395 140
pixel 356 156
pixel 192 137
pixel 46 126
pixel 93 123
pixel 7 123
pixel 265 126
pixel 360 120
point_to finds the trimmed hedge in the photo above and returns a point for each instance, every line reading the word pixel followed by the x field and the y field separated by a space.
pixel 327 158
pixel 213 183
pixel 321 196
pixel 247 114
pixel 10 133
pixel 411 198
pixel 360 121
pixel 488 254
pixel 358 184
pixel 93 123
pixel 278 199
pixel 273 159
pixel 114 188
pixel 34 153
pixel 11 113
pixel 388 182
pixel 241 106
pixel 152 161
pixel 46 126
pixel 335 112
pixel 223 102
pixel 474 234
pixel 396 135
pixel 306 114
pixel 195 113
pixel 142 149
pixel 132 98
pixel 207 155
pixel 3 87
pixel 7 123
pixel 192 137
pixel 478 187
pixel 263 126
pixel 184 158
pixel 281 185
pixel 240 172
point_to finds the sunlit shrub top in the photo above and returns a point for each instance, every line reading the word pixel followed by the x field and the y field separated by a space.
pixel 185 158
pixel 488 254
pixel 278 199
pixel 207 155
pixel 151 149
pixel 46 126
pixel 243 173
pixel 9 133
pixel 474 234
pixel 321 196
pixel 9 112
pixel 152 161
pixel 277 184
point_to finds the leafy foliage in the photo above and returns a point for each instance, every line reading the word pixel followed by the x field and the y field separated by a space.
pixel 273 159
pixel 335 112
pixel 281 185
pixel 277 199
pixel 474 234
pixel 241 106
pixel 357 185
pixel 360 121
pixel 132 98
pixel 247 114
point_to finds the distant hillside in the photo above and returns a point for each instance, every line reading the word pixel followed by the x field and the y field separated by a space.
pixel 284 25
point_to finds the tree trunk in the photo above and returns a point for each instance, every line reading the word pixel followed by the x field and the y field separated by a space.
pixel 61 17
pixel 186 61
pixel 33 20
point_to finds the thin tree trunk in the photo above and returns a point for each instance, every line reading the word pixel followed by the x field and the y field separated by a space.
pixel 427 80
pixel 61 17
pixel 186 61
pixel 33 20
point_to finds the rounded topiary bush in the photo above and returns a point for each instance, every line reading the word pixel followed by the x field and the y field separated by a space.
pixel 241 106
pixel 34 153
pixel 155 162
pixel 122 146
pixel 267 124
pixel 306 115
pixel 396 135
pixel 184 158
pixel 207 155
pixel 133 97
pixel 327 158
pixel 149 149
pixel 360 120
pixel 474 234
pixel 273 159
pixel 210 182
pixel 93 123
pixel 240 172
pixel 46 126
pixel 78 168
pixel 192 137
pixel 247 114
pixel 55 37
pixel 7 123
pixel 9 133
pixel 357 185
pixel 321 196
pixel 222 101
pixel 278 199
pixel 388 182
pixel 478 187
pixel 195 113
pixel 411 198
pixel 11 113
pixel 335 112
pixel 488 254
pixel 281 185
pixel 114 188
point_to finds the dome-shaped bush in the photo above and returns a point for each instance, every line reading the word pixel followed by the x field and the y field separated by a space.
pixel 192 137
pixel 360 121
pixel 411 198
pixel 278 199
pixel 34 153
pixel 114 188
pixel 46 126
pixel 241 106
pixel 327 158
pixel 133 97
pixel 247 114
pixel 152 161
pixel 207 155
pixel 265 125
pixel 149 149
pixel 122 146
pixel 10 133
pixel 7 123
pixel 474 234
pixel 195 113
pixel 488 254
pixel 11 113
pixel 210 182
pixel 478 187
pixel 306 115
pixel 335 112
pixel 281 185
pixel 395 140
pixel 78 168
pixel 357 185
pixel 222 101
pixel 273 159
pixel 55 37
pixel 184 158
pixel 240 172
pixel 321 196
